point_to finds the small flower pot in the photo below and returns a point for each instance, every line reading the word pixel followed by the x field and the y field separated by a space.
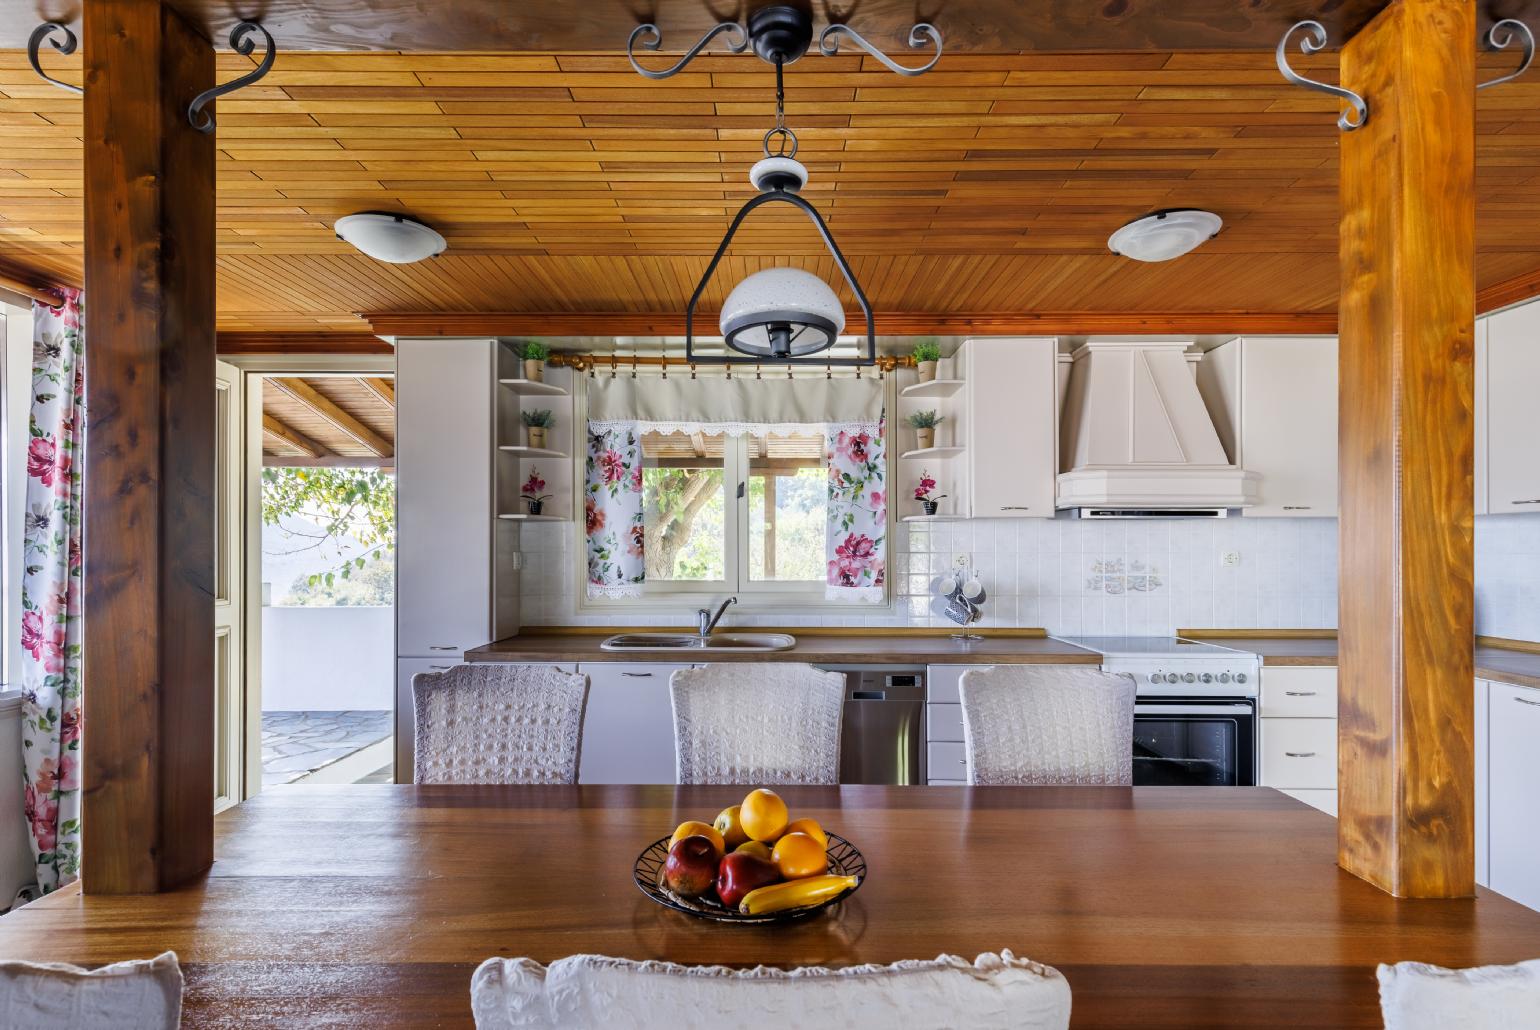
pixel 536 436
pixel 534 506
pixel 929 507
pixel 925 438
pixel 534 371
pixel 927 370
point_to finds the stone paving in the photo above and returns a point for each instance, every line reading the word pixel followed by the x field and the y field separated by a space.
pixel 295 744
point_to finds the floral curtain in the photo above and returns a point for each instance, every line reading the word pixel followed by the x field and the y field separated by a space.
pixel 51 592
pixel 612 502
pixel 855 541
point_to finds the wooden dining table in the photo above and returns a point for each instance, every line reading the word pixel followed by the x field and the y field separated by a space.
pixel 370 905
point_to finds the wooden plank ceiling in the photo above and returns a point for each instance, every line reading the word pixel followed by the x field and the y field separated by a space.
pixel 329 420
pixel 566 183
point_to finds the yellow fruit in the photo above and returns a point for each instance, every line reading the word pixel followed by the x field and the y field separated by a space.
pixel 798 855
pixel 730 826
pixel 758 848
pixel 695 826
pixel 763 815
pixel 809 827
pixel 779 897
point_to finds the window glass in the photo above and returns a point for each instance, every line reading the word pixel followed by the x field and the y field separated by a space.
pixel 787 499
pixel 684 507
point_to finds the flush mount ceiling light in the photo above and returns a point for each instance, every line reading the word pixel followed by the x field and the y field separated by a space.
pixel 1163 235
pixel 383 236
pixel 780 315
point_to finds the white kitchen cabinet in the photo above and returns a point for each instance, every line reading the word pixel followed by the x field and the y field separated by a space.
pixel 1012 426
pixel 1299 754
pixel 1483 782
pixel 444 524
pixel 1481 408
pixel 1513 417
pixel 1514 792
pixel 628 730
pixel 1274 403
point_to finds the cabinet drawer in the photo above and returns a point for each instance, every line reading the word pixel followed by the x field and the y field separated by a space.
pixel 1325 800
pixel 1299 693
pixel 948 783
pixel 1299 753
pixel 945 761
pixel 944 722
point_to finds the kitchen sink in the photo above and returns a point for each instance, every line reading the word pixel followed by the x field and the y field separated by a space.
pixel 691 642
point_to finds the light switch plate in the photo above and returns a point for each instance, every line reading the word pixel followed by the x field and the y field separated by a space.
pixel 960 561
pixel 1230 559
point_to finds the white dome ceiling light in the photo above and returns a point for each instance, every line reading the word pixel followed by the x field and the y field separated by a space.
pixel 781 313
pixel 398 239
pixel 1163 235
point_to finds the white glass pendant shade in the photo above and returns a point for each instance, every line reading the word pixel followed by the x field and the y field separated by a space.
pixel 1165 234
pixel 388 237
pixel 782 313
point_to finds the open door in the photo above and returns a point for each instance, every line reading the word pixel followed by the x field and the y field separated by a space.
pixel 230 721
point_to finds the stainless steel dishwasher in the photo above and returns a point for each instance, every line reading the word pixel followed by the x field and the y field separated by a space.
pixel 883 738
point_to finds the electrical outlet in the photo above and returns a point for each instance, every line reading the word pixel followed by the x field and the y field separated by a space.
pixel 960 561
pixel 1230 559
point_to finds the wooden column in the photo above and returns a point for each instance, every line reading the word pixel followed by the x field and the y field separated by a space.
pixel 147 820
pixel 1406 772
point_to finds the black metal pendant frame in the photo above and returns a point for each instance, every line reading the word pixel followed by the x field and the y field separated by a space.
pixel 770 197
pixel 242 43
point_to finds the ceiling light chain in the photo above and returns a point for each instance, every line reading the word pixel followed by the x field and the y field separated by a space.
pixel 1500 36
pixel 66 46
pixel 242 43
pixel 1313 40
pixel 780 129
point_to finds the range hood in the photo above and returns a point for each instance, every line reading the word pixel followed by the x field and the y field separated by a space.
pixel 1137 437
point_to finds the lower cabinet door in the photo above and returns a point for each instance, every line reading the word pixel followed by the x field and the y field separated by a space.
pixel 628 731
pixel 1514 792
pixel 1299 754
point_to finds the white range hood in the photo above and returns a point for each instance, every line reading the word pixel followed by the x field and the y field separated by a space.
pixel 1138 439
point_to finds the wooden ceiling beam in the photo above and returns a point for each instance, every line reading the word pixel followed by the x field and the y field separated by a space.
pixel 328 461
pixel 350 342
pixel 280 430
pixel 327 409
pixel 384 389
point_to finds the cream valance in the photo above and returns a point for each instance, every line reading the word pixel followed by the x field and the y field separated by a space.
pixel 743 404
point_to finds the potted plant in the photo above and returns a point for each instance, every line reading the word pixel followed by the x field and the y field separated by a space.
pixel 924 424
pixel 536 423
pixel 926 355
pixel 922 493
pixel 534 355
pixel 534 500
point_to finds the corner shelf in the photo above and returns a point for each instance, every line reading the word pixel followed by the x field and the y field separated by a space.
pixel 534 518
pixel 933 452
pixel 934 518
pixel 934 388
pixel 530 452
pixel 530 388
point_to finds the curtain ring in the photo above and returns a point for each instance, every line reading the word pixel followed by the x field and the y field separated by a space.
pixel 664 361
pixel 828 371
pixel 756 373
pixel 612 366
pixel 692 370
pixel 633 366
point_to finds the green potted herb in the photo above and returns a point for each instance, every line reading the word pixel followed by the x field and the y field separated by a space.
pixel 926 354
pixel 535 355
pixel 536 422
pixel 924 424
pixel 534 500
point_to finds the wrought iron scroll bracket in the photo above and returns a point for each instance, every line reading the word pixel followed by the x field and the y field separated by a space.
pixel 1313 40
pixel 1501 36
pixel 919 36
pixel 654 41
pixel 65 47
pixel 242 43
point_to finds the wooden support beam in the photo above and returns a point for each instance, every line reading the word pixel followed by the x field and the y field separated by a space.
pixel 328 410
pixel 384 389
pixel 280 430
pixel 1405 757
pixel 148 819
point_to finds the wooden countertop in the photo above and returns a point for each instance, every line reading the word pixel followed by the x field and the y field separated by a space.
pixel 1164 907
pixel 1493 663
pixel 852 648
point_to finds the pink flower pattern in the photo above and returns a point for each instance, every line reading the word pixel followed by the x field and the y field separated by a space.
pixel 613 509
pixel 856 535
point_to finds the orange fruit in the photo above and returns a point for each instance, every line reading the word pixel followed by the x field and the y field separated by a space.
pixel 809 827
pixel 797 855
pixel 730 826
pixel 695 826
pixel 757 848
pixel 763 815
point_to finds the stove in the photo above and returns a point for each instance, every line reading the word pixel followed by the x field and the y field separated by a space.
pixel 1195 709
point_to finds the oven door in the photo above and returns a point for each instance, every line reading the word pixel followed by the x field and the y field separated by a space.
pixel 1200 742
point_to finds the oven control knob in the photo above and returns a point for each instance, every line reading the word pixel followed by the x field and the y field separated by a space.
pixel 1157 678
pixel 1188 678
pixel 1206 678
pixel 1224 677
pixel 1240 677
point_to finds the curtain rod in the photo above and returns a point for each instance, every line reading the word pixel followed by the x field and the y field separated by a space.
pixel 603 362
pixel 26 288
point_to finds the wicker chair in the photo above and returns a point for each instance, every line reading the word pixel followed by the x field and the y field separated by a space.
pixel 489 723
pixel 765 723
pixel 1024 725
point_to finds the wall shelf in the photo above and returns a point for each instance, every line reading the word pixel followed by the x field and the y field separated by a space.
pixel 933 452
pixel 934 388
pixel 534 518
pixel 934 518
pixel 530 452
pixel 530 388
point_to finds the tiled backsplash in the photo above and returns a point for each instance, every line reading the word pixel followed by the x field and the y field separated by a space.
pixel 1508 576
pixel 1071 577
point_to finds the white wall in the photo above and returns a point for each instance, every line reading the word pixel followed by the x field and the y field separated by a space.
pixel 328 659
pixel 1508 576
pixel 16 865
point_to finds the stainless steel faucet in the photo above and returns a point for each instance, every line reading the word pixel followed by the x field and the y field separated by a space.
pixel 708 622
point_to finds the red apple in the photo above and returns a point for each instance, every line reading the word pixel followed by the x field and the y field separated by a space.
pixel 691 866
pixel 741 872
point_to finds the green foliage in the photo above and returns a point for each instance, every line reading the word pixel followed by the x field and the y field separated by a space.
pixel 927 350
pixel 925 419
pixel 539 418
pixel 534 351
pixel 357 504
pixel 373 587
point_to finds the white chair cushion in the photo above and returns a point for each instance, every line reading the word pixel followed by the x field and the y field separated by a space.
pixel 1415 996
pixel 591 991
pixel 142 995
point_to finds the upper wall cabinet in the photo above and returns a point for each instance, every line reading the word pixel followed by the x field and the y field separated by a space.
pixel 1012 426
pixel 1512 377
pixel 1274 402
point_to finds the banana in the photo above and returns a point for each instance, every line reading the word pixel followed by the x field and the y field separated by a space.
pixel 778 897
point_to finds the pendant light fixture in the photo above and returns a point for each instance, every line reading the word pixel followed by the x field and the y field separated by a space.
pixel 780 315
